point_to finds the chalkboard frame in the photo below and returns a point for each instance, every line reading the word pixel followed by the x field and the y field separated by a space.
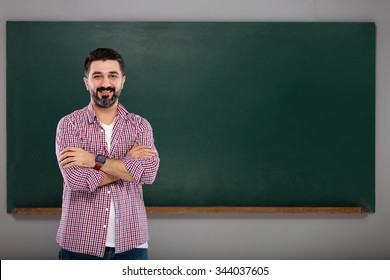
pixel 17 160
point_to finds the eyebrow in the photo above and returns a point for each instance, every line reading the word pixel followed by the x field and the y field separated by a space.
pixel 111 72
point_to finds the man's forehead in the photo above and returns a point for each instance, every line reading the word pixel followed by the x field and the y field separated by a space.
pixel 105 66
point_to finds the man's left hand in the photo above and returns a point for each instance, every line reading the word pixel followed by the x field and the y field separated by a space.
pixel 76 157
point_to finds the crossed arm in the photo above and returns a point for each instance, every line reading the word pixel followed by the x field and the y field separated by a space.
pixel 113 169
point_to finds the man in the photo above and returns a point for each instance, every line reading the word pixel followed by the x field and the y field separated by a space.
pixel 105 155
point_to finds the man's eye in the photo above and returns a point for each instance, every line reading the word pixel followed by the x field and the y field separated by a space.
pixel 96 77
pixel 113 76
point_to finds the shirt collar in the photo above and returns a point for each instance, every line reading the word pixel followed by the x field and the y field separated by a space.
pixel 122 113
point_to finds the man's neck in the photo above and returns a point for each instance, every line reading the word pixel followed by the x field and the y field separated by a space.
pixel 106 115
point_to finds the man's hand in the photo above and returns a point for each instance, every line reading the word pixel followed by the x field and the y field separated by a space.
pixel 141 152
pixel 76 157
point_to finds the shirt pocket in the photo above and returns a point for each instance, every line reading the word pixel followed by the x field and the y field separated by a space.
pixel 93 140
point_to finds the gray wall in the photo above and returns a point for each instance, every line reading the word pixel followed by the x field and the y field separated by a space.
pixel 221 236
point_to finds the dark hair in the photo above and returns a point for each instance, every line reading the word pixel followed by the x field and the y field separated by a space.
pixel 103 54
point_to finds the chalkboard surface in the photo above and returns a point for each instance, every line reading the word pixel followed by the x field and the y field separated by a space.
pixel 244 114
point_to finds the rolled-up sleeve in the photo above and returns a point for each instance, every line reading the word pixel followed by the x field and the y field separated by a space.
pixel 143 171
pixel 77 178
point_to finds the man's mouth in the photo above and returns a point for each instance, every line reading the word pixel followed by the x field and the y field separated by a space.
pixel 107 89
pixel 105 92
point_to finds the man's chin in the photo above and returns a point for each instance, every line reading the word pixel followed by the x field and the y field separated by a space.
pixel 105 103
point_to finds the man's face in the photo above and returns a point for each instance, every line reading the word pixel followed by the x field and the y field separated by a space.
pixel 105 82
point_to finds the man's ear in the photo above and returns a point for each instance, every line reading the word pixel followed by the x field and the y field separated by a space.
pixel 123 82
pixel 86 83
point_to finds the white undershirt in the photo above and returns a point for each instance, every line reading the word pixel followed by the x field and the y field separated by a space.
pixel 110 241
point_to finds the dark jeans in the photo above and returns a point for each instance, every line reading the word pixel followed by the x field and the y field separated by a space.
pixel 109 254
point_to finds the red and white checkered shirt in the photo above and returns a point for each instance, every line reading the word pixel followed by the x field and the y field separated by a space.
pixel 85 205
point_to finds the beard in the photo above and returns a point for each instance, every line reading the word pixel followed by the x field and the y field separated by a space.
pixel 105 102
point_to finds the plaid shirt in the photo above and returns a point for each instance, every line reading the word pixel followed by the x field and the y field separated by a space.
pixel 85 205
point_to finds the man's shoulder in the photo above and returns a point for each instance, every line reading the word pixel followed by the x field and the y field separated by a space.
pixel 135 121
pixel 133 117
pixel 139 121
pixel 80 115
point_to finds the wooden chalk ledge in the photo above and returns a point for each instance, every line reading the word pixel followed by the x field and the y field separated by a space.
pixel 217 210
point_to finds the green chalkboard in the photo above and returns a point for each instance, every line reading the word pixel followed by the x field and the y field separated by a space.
pixel 244 114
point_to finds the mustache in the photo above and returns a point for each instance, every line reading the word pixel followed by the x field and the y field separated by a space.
pixel 105 89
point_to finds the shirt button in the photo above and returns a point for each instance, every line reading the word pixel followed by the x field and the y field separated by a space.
pixel 108 192
pixel 104 226
pixel 106 209
pixel 101 130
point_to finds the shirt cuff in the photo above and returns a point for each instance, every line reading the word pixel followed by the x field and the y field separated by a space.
pixel 94 177
pixel 134 167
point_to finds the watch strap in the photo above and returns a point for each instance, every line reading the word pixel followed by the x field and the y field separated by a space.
pixel 97 166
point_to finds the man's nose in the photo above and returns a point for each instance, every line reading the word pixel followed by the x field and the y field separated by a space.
pixel 106 82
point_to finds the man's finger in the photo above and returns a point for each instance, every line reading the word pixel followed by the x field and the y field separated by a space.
pixel 137 148
pixel 66 155
pixel 70 164
pixel 66 162
pixel 148 154
pixel 66 150
pixel 70 149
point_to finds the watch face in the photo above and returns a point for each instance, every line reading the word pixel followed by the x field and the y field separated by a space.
pixel 101 159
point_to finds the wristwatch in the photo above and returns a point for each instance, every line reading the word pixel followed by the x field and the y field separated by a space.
pixel 99 161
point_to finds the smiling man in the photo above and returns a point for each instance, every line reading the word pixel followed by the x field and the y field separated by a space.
pixel 105 155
